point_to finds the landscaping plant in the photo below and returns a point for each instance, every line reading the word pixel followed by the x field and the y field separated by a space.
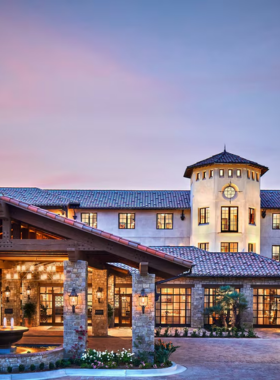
pixel 158 331
pixel 166 331
pixel 163 351
pixel 186 331
pixel 9 369
pixel 32 367
pixel 21 368
pixel 51 365
pixel 41 366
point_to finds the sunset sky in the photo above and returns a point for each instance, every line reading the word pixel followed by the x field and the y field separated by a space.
pixel 122 94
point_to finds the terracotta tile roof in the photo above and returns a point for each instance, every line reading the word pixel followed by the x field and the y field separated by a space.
pixel 79 225
pixel 224 158
pixel 270 199
pixel 217 264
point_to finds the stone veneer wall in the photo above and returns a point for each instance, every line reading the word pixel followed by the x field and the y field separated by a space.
pixel 143 324
pixel 34 297
pixel 76 274
pixel 100 321
pixel 14 299
pixel 14 360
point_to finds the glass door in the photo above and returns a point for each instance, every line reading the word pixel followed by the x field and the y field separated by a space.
pixel 57 309
pixel 125 310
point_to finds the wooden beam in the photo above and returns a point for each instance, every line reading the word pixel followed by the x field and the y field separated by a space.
pixel 143 269
pixel 6 264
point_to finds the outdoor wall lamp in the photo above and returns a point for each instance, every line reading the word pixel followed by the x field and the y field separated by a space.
pixel 28 292
pixel 73 299
pixel 182 215
pixel 7 293
pixel 99 294
pixel 143 300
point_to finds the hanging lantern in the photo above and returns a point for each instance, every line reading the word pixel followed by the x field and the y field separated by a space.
pixel 28 292
pixel 143 300
pixel 99 294
pixel 73 299
pixel 7 293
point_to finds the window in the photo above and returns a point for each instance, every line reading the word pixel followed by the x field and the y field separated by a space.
pixel 211 173
pixel 230 173
pixel 238 173
pixel 221 172
pixel 204 175
pixel 229 219
pixel 173 307
pixel 248 174
pixel 253 176
pixel 250 247
pixel 197 176
pixel 164 221
pixel 229 247
pixel 276 252
pixel 204 246
pixel 203 215
pixel 90 219
pixel 275 221
pixel 127 221
pixel 252 216
pixel 257 177
pixel 266 307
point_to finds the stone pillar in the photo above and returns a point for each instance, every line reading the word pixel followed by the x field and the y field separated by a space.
pixel 143 325
pixel 34 298
pixel 247 315
pixel 13 307
pixel 99 306
pixel 197 306
pixel 111 298
pixel 75 274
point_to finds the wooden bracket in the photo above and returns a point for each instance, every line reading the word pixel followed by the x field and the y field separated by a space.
pixel 143 268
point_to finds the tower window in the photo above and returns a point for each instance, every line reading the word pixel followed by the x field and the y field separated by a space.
pixel 238 173
pixel 127 221
pixel 250 247
pixel 221 172
pixel 204 246
pixel 257 177
pixel 164 221
pixel 275 221
pixel 248 174
pixel 230 173
pixel 229 247
pixel 229 219
pixel 276 252
pixel 197 176
pixel 252 216
pixel 211 173
pixel 89 219
pixel 204 175
pixel 253 176
pixel 203 215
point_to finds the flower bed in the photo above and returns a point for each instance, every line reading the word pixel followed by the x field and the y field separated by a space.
pixel 213 332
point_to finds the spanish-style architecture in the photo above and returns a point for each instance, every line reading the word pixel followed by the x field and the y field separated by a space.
pixel 175 247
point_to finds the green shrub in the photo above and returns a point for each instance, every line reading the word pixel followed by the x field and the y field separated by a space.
pixel 194 334
pixel 41 366
pixel 204 334
pixel 77 361
pixel 51 365
pixel 58 363
pixel 71 360
pixel 9 369
pixel 163 351
pixel 176 333
pixel 186 331
pixel 251 334
pixel 211 333
pixel 166 331
pixel 32 367
pixel 158 331
pixel 85 365
pixel 21 368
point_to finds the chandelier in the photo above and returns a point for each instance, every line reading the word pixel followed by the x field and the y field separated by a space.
pixel 44 272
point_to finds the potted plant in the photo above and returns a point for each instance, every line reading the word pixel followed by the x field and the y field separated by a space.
pixel 110 316
pixel 29 310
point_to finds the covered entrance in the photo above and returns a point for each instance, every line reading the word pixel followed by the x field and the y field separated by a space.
pixel 123 306
pixel 51 305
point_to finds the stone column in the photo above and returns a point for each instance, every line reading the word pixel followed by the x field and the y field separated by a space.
pixel 197 306
pixel 34 298
pixel 75 274
pixel 13 307
pixel 247 315
pixel 143 325
pixel 99 306
pixel 111 298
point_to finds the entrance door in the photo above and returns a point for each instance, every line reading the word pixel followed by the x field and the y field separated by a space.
pixel 125 310
pixel 57 309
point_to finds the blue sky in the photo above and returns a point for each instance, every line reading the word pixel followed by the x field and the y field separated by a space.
pixel 126 94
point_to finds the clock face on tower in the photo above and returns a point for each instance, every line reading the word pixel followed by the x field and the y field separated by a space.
pixel 229 192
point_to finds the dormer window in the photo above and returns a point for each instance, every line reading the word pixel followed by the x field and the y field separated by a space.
pixel 230 173
pixel 238 173
pixel 221 172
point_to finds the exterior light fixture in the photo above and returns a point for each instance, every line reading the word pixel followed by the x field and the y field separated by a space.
pixel 99 294
pixel 29 276
pixel 32 268
pixel 7 293
pixel 8 276
pixel 15 276
pixel 143 300
pixel 182 215
pixel 73 299
pixel 28 292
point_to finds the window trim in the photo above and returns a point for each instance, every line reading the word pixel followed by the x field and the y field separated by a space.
pixel 276 213
pixel 252 224
pixel 229 207
pixel 126 222
pixel 89 213
pixel 199 215
pixel 165 213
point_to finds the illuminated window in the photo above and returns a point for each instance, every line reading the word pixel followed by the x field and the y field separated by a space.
pixel 266 307
pixel 276 252
pixel 229 219
pixel 248 174
pixel 204 175
pixel 127 221
pixel 253 176
pixel 173 307
pixel 250 247
pixel 204 246
pixel 257 177
pixel 221 172
pixel 211 173
pixel 229 247
pixel 197 176
pixel 275 221
pixel 203 215
pixel 252 216
pixel 230 173
pixel 90 219
pixel 238 173
pixel 164 221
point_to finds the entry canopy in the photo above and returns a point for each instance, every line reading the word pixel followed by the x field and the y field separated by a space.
pixel 79 241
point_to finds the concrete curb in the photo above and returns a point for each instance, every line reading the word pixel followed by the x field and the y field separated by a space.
pixel 173 370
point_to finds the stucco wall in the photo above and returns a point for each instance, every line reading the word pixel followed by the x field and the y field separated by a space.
pixel 269 237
